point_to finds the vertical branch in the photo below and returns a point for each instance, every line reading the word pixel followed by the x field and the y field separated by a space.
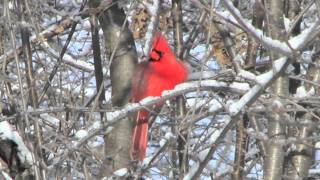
pixel 292 11
pixel 182 146
pixel 241 143
pixel 18 70
pixel 25 34
pixel 301 158
pixel 177 27
pixel 97 56
pixel 7 84
pixel 123 58
pixel 255 124
pixel 182 138
pixel 32 93
pixel 273 169
pixel 258 12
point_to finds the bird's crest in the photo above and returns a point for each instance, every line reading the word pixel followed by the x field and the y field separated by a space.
pixel 160 47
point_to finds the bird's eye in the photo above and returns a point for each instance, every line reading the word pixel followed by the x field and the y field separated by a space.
pixel 155 55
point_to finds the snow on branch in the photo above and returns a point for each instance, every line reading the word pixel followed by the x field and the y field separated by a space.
pixel 7 133
pixel 38 39
pixel 264 80
pixel 297 43
pixel 153 10
pixel 116 116
pixel 68 59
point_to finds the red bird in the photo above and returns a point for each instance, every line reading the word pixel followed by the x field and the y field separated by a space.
pixel 162 72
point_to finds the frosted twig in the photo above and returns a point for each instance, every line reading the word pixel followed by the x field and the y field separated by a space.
pixel 68 59
pixel 42 37
pixel 153 9
pixel 235 109
pixel 297 42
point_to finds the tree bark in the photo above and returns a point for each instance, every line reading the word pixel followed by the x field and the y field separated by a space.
pixel 241 144
pixel 123 59
pixel 301 158
pixel 182 146
pixel 273 169
pixel 97 57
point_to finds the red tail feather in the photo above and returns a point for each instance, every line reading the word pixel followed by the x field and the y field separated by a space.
pixel 139 140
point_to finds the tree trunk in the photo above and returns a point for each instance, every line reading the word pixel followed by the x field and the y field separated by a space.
pixel 273 169
pixel 300 158
pixel 123 58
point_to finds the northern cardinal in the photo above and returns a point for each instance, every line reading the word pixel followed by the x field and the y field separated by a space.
pixel 161 72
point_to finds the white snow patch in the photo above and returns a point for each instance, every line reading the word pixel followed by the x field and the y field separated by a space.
pixel 252 153
pixel 146 161
pixel 149 99
pixel 311 92
pixel 195 84
pixel 202 75
pixel 298 40
pixel 198 103
pixel 50 119
pixel 96 125
pixel 184 86
pixel 6 176
pixel 314 171
pixel 109 129
pixel 171 175
pixel 162 142
pixel 203 154
pixel 214 105
pixel 198 51
pixel 241 86
pixel 215 135
pixel 301 92
pixel 236 107
pixel 131 106
pixel 193 170
pixel 169 135
pixel 80 134
pixel 112 115
pixel 247 75
pixel 213 83
pixel 7 133
pixel 166 138
pixel 265 78
pixel 286 23
pixel 213 65
pixel 121 172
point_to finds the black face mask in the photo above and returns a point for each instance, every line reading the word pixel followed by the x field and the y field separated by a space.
pixel 159 53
